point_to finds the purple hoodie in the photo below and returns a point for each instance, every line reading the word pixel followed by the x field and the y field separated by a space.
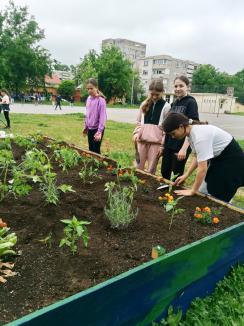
pixel 95 113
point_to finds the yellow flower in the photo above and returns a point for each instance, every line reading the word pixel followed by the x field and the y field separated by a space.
pixel 215 220
pixel 198 215
pixel 207 210
pixel 198 209
pixel 167 195
pixel 161 198
pixel 170 198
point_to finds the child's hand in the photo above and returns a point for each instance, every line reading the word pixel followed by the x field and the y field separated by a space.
pixel 97 136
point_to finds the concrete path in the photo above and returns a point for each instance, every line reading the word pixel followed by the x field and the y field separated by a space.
pixel 234 124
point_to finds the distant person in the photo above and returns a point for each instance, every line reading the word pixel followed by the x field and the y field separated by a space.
pixel 22 98
pixel 95 116
pixel 36 99
pixel 5 101
pixel 71 101
pixel 149 135
pixel 218 158
pixel 58 102
pixel 177 151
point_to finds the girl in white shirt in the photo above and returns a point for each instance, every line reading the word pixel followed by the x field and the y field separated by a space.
pixel 5 106
pixel 218 158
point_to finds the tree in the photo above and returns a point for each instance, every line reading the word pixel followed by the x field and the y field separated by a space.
pixel 67 88
pixel 23 63
pixel 208 79
pixel 86 69
pixel 238 84
pixel 112 70
pixel 115 73
pixel 60 66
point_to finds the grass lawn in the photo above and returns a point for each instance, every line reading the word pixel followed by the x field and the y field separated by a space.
pixel 225 307
pixel 238 113
pixel 69 127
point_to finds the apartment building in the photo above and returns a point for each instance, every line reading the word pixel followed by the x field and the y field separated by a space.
pixel 64 75
pixel 131 50
pixel 166 68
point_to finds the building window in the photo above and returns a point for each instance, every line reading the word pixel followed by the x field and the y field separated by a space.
pixel 145 63
pixel 159 61
pixel 158 71
pixel 145 72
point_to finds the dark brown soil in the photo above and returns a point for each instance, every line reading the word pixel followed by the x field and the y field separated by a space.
pixel 48 274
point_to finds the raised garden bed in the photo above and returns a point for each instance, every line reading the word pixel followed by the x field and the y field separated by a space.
pixel 47 274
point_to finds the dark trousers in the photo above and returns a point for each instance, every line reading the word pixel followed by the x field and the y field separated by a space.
pixel 58 105
pixel 6 115
pixel 94 146
pixel 226 172
pixel 170 163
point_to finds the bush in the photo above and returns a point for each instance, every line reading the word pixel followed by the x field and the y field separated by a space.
pixel 120 211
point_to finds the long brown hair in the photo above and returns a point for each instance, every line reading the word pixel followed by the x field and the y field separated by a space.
pixel 94 82
pixel 174 120
pixel 157 86
pixel 5 91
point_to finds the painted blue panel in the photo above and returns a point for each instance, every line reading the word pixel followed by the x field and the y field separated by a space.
pixel 144 293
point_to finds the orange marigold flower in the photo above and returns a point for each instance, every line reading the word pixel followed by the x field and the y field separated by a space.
pixel 198 215
pixel 215 220
pixel 207 209
pixel 198 209
pixel 120 174
pixel 2 224
pixel 170 197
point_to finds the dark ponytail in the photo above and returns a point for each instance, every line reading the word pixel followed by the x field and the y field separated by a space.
pixel 174 120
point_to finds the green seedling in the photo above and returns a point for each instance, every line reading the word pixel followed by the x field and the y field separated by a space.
pixel 67 158
pixel 7 242
pixel 47 240
pixel 73 231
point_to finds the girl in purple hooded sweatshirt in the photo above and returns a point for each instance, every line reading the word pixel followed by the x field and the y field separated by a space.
pixel 95 116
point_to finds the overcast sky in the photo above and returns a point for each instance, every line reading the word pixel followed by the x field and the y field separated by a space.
pixel 206 31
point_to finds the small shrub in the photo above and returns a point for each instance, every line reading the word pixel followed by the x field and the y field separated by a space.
pixel 120 211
